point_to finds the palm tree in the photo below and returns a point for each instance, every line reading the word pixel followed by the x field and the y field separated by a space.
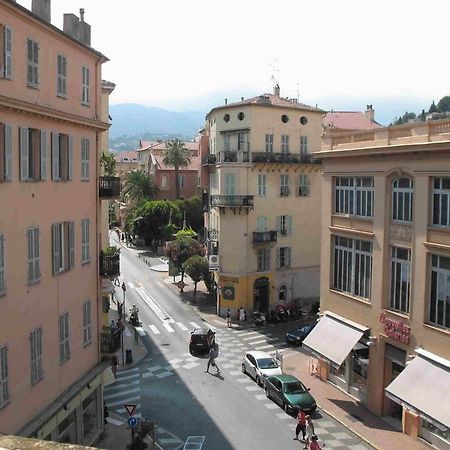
pixel 176 155
pixel 138 186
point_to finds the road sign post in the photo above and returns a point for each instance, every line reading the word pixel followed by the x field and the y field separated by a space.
pixel 130 408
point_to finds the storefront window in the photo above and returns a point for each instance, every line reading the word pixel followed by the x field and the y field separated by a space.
pixel 339 372
pixel 434 435
pixel 360 364
pixel 67 430
pixel 90 422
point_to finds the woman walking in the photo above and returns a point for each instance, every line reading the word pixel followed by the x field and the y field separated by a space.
pixel 309 429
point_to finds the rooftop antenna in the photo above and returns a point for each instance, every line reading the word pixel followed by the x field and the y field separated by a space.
pixel 275 72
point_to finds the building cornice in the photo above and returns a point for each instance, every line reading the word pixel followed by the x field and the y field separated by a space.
pixel 359 233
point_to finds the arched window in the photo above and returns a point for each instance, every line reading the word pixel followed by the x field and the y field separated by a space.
pixel 402 199
pixel 282 293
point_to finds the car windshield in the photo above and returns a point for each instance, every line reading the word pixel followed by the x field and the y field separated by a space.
pixel 267 363
pixel 294 387
pixel 305 329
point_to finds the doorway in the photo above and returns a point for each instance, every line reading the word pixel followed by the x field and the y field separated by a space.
pixel 261 295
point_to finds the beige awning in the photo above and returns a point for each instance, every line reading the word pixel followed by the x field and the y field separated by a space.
pixel 423 386
pixel 333 338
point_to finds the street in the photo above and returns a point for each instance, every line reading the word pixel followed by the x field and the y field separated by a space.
pixel 170 386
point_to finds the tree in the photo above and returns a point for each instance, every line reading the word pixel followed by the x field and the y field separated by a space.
pixel 195 267
pixel 444 104
pixel 181 249
pixel 108 162
pixel 192 209
pixel 433 108
pixel 138 186
pixel 176 155
pixel 423 116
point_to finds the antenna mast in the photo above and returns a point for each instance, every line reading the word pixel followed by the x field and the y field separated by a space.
pixel 275 72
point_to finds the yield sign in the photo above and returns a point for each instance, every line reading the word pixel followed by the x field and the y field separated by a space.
pixel 130 409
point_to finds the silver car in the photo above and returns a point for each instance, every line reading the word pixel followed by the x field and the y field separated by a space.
pixel 260 365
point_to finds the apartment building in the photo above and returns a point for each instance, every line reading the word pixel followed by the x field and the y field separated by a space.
pixel 51 126
pixel 263 201
pixel 384 336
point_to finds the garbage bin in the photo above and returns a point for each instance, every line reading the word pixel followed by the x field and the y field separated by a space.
pixel 128 356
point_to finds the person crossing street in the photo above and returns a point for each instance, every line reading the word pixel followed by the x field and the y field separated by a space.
pixel 213 354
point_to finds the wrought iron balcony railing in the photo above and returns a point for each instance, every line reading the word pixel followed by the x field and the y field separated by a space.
pixel 284 158
pixel 237 201
pixel 109 265
pixel 261 237
pixel 209 159
pixel 109 187
pixel 109 342
pixel 234 156
pixel 284 191
pixel 213 234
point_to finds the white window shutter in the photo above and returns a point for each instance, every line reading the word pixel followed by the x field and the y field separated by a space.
pixel 70 156
pixel 43 155
pixel 24 151
pixel 289 224
pixel 55 156
pixel 71 244
pixel 8 152
pixel 8 53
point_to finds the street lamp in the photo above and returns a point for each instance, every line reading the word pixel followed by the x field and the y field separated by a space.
pixel 124 288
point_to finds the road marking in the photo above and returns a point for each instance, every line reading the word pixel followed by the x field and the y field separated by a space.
pixel 128 377
pixel 114 421
pixel 121 393
pixel 264 347
pixel 251 338
pixel 140 331
pixel 162 315
pixel 168 328
pixel 131 285
pixel 170 320
pixel 154 329
pixel 123 385
pixel 182 326
pixel 194 443
pixel 261 341
pixel 120 402
pixel 194 325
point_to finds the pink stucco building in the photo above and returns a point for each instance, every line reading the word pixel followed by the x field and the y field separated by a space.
pixel 51 128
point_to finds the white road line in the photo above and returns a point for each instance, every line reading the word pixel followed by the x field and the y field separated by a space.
pixel 261 341
pixel 114 386
pixel 264 347
pixel 114 421
pixel 170 320
pixel 194 325
pixel 182 327
pixel 121 402
pixel 121 394
pixel 128 377
pixel 140 331
pixel 131 285
pixel 162 315
pixel 154 329
pixel 251 338
pixel 168 328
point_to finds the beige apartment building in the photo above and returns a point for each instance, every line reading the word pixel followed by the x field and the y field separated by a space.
pixel 384 335
pixel 264 202
pixel 51 126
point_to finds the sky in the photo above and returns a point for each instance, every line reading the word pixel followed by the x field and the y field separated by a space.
pixel 180 55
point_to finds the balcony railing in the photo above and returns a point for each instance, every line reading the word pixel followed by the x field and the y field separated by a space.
pixel 209 159
pixel 109 187
pixel 109 342
pixel 261 237
pixel 234 156
pixel 284 191
pixel 246 201
pixel 283 158
pixel 109 265
pixel 213 234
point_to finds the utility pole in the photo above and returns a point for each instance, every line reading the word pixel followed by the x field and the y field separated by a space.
pixel 124 289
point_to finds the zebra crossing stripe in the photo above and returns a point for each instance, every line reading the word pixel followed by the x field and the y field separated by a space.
pixel 131 285
pixel 170 320
pixel 114 421
pixel 182 327
pixel 121 393
pixel 115 386
pixel 140 331
pixel 128 399
pixel 168 328
pixel 194 325
pixel 154 329
pixel 128 377
pixel 122 373
pixel 264 347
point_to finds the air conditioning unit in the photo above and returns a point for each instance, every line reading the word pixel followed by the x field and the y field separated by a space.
pixel 213 261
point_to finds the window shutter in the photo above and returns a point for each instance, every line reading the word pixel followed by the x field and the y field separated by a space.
pixel 2 151
pixel 37 271
pixel 288 256
pixel 2 263
pixel 70 156
pixel 289 224
pixel 278 256
pixel 24 151
pixel 55 156
pixel 30 254
pixel 71 244
pixel 278 225
pixel 8 52
pixel 56 249
pixel 264 224
pixel 8 152
pixel 43 155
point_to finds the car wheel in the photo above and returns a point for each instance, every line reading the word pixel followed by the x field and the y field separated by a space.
pixel 267 393
pixel 286 408
pixel 243 369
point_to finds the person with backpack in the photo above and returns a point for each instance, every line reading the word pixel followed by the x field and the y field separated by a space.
pixel 301 425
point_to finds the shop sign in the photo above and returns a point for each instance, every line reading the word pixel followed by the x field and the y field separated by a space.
pixel 229 280
pixel 228 292
pixel 396 329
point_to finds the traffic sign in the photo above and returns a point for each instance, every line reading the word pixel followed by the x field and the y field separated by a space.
pixel 181 284
pixel 130 409
pixel 132 421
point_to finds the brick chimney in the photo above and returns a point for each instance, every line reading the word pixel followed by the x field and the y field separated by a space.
pixel 369 113
pixel 42 8
pixel 276 90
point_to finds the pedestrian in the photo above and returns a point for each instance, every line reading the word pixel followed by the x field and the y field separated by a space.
pixel 213 353
pixel 228 316
pixel 122 237
pixel 301 425
pixel 120 309
pixel 241 315
pixel 314 444
pixel 114 364
pixel 309 428
pixel 238 314
pixel 245 315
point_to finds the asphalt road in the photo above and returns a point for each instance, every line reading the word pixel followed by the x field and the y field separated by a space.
pixel 224 411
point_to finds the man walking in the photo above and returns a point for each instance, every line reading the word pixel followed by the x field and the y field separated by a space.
pixel 228 316
pixel 241 316
pixel 213 354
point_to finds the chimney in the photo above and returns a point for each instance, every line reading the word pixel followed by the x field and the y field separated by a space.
pixel 226 101
pixel 42 8
pixel 84 30
pixel 71 25
pixel 276 90
pixel 242 99
pixel 369 113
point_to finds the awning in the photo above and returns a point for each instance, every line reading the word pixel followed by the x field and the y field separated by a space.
pixel 334 337
pixel 423 386
pixel 107 286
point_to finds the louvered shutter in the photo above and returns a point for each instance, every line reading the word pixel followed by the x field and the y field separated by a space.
pixel 278 256
pixel 2 149
pixel 40 369
pixel 2 263
pixel 43 155
pixel 30 255
pixel 70 156
pixel 71 244
pixel 55 156
pixel 278 225
pixel 37 270
pixel 8 53
pixel 8 152
pixel 56 248
pixel 288 256
pixel 24 154
pixel 288 225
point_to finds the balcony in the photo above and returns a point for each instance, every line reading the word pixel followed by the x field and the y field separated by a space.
pixel 109 187
pixel 284 191
pixel 234 156
pixel 263 237
pixel 109 265
pixel 209 159
pixel 109 342
pixel 213 234
pixel 233 201
pixel 283 158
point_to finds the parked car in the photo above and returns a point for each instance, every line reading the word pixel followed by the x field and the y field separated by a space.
pixel 290 393
pixel 298 335
pixel 201 340
pixel 260 365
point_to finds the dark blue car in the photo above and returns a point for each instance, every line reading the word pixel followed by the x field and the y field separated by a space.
pixel 297 336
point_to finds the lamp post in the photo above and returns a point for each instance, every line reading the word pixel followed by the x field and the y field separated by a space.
pixel 124 288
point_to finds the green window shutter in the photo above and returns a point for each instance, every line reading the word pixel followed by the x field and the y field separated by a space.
pixel 70 157
pixel 43 155
pixel 24 154
pixel 8 152
pixel 55 156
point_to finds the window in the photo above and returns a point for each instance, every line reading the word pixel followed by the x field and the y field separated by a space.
pixel 164 182
pixel 85 143
pixel 282 294
pixel 5 52
pixel 32 63
pixel 85 253
pixel 303 145
pixel 87 330
pixel 2 264
pixel 284 143
pixel 229 183
pixel 226 142
pixel 303 120
pixel 400 279
pixel 284 225
pixel 63 236
pixel 5 152
pixel 61 84
pixel 263 257
pixel 262 185
pixel 354 196
pixel 62 154
pixel 37 371
pixel 439 309
pixel 269 143
pixel 284 257
pixel 303 185
pixel 284 185
pixel 226 117
pixel 243 141
pixel 85 85
pixel 402 200
pixel 181 181
pixel 4 388
pixel 33 154
pixel 64 345
pixel 34 271
pixel 261 224
pixel 441 202
pixel 241 116
pixel 284 118
pixel 352 271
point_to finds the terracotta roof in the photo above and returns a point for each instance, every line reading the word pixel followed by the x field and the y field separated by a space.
pixel 160 145
pixel 157 158
pixel 130 155
pixel 349 120
pixel 270 100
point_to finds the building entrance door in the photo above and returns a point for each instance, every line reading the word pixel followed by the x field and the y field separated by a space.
pixel 395 362
pixel 261 295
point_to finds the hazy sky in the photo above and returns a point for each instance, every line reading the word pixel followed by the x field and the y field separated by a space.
pixel 179 54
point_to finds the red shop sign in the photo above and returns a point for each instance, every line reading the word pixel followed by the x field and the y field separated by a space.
pixel 395 329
